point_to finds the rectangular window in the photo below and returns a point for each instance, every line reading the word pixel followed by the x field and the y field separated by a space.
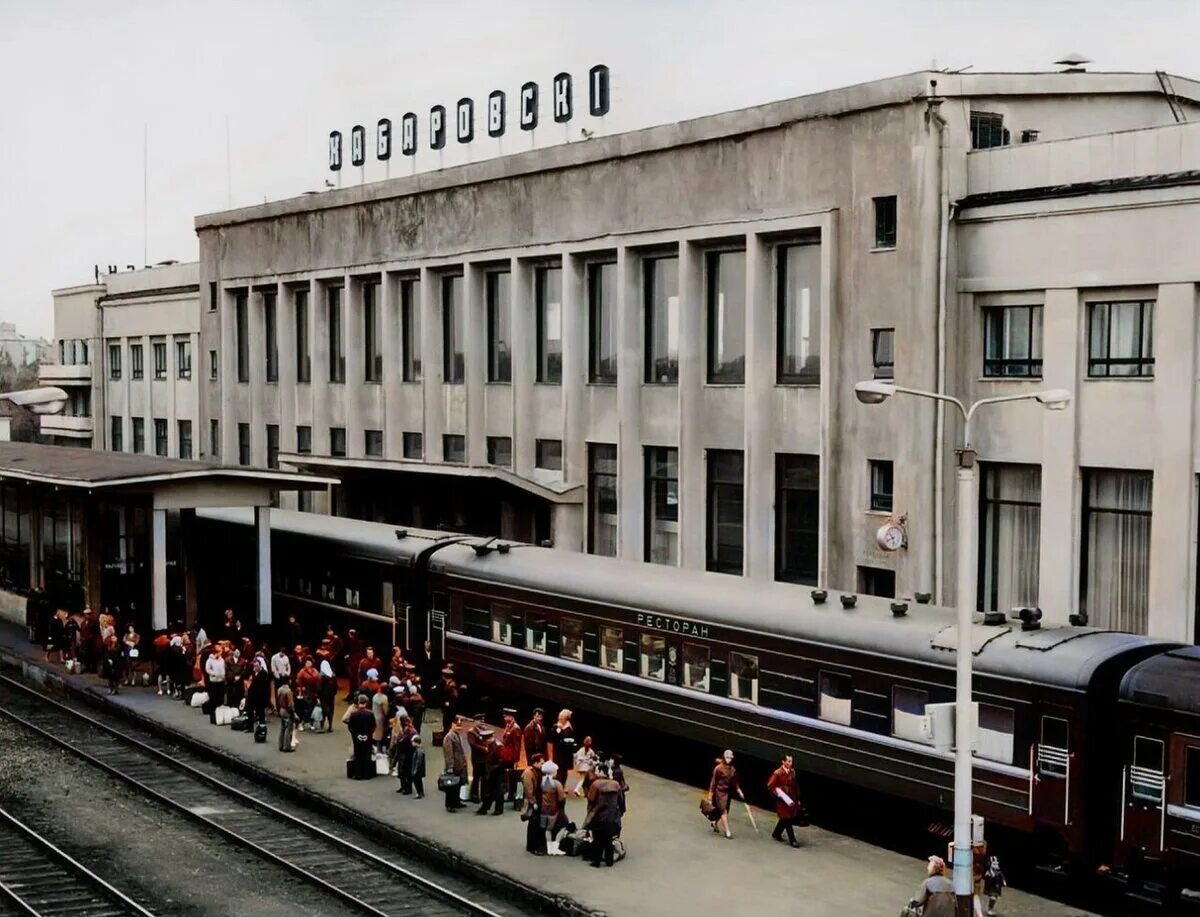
pixel 877 581
pixel 304 440
pixel 372 333
pixel 548 295
pixel 661 305
pixel 881 472
pixel 571 637
pixel 885 221
pixel 241 332
pixel 743 677
pixel 160 359
pixel 696 667
pixel 612 648
pixel 212 365
pixel 337 342
pixel 1116 548
pixel 725 283
pixel 136 363
pixel 548 454
pixel 414 447
pixel 337 441
pixel 908 713
pixel 725 511
pixel 185 439
pixel 214 438
pixel 114 361
pixel 499 325
pixel 602 499
pixel 994 737
pixel 452 329
pixel 662 505
pixel 1146 781
pixel 987 130
pixel 1120 339
pixel 798 314
pixel 1010 517
pixel 373 443
pixel 243 434
pixel 883 359
pixel 1191 776
pixel 499 451
pixel 212 296
pixel 272 445
pixel 454 448
pixel 502 625
pixel 1054 748
pixel 836 693
pixel 183 358
pixel 270 335
pixel 797 517
pixel 303 351
pixel 116 438
pixel 1012 341
pixel 652 657
pixel 410 328
pixel 602 322
pixel 535 634
pixel 139 435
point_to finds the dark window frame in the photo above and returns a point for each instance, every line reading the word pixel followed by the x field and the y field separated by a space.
pixel 497 446
pixel 372 316
pixel 159 350
pixel 803 531
pixel 214 437
pixel 304 440
pixel 549 362
pixel 410 330
pixel 990 509
pixel 114 362
pixel 116 433
pixel 497 292
pixel 1000 367
pixel 300 317
pixel 603 347
pixel 717 489
pixel 728 372
pixel 1142 363
pixel 541 455
pixel 243 434
pixel 241 332
pixel 137 361
pixel 657 493
pixel 337 442
pixel 184 434
pixel 782 375
pixel 335 321
pixel 453 327
pixel 881 501
pixel 183 358
pixel 660 369
pixel 987 130
pixel 454 443
pixel 881 366
pixel 887 222
pixel 1088 510
pixel 270 307
pixel 413 445
pixel 602 492
pixel 139 436
pixel 373 443
pixel 272 445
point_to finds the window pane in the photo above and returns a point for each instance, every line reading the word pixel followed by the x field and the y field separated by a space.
pixel 502 625
pixel 725 523
pixel 270 336
pixel 612 648
pixel 452 329
pixel 602 322
pixel 602 499
pixel 410 321
pixel 535 634
pixel 1146 773
pixel 662 505
pixel 882 352
pixel 726 283
pixel 499 449
pixel 1117 548
pixel 1009 558
pixel 499 317
pixel 743 677
pixel 798 282
pixel 908 714
pixel 662 319
pixel 548 454
pixel 695 667
pixel 1191 777
pixel 994 737
pixel 454 447
pixel 372 333
pixel 881 485
pixel 652 662
pixel 242 333
pixel 571 637
pixel 337 348
pixel 303 355
pixel 549 324
pixel 835 698
pixel 797 517
pixel 414 446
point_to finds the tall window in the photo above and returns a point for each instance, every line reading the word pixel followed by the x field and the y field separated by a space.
pixel 139 435
pixel 272 445
pixel 662 505
pixel 548 454
pixel 798 314
pixel 602 322
pixel 303 351
pixel 212 365
pixel 499 313
pixel 185 439
pixel 499 451
pixel 602 499
pixel 797 513
pixel 337 442
pixel 883 360
pixel 725 523
pixel 373 443
pixel 214 438
pixel 661 305
pixel 413 445
pixel 271 335
pixel 1121 338
pixel 725 284
pixel 212 296
pixel 114 361
pixel 882 483
pixel 337 343
pixel 241 331
pixel 410 328
pixel 1012 341
pixel 183 358
pixel 1116 548
pixel 160 436
pixel 160 359
pixel 372 333
pixel 304 439
pixel 116 438
pixel 885 221
pixel 452 329
pixel 136 362
pixel 454 448
pixel 548 294
pixel 243 433
pixel 1010 538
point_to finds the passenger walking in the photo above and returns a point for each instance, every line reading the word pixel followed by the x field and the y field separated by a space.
pixel 531 810
pixel 361 722
pixel 935 897
pixel 585 760
pixel 496 771
pixel 564 743
pixel 214 679
pixel 417 767
pixel 328 694
pixel 286 705
pixel 993 884
pixel 379 709
pixel 553 800
pixel 447 690
pixel 454 754
pixel 784 788
pixel 130 646
pixel 604 814
pixel 724 781
pixel 401 752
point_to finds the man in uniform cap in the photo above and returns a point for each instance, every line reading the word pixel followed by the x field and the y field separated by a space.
pixel 478 738
pixel 535 735
pixel 495 776
pixel 510 753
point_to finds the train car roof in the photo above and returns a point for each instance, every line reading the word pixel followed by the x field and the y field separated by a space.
pixel 1058 655
pixel 1170 680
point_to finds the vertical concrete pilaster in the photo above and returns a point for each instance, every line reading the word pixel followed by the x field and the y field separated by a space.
pixel 354 341
pixel 158 561
pixel 262 535
pixel 318 342
pixel 256 322
pixel 524 360
pixel 574 373
pixel 393 438
pixel 432 365
pixel 475 361
pixel 691 396
pixel 630 475
pixel 759 518
pixel 286 391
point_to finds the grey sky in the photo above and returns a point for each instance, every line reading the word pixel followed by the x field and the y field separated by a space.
pixel 82 78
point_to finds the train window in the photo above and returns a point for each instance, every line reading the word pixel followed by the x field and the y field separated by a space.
pixel 836 691
pixel 1053 749
pixel 612 648
pixel 1146 772
pixel 695 667
pixel 352 598
pixel 908 714
pixel 743 677
pixel 502 625
pixel 1191 777
pixel 535 635
pixel 653 657
pixel 994 737
pixel 571 630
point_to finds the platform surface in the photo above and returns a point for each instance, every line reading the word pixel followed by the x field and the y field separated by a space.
pixel 676 864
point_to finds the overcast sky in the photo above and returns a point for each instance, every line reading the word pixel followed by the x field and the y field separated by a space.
pixel 83 79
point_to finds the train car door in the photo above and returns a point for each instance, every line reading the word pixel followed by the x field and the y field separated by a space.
pixel 1143 808
pixel 1052 770
pixel 1182 823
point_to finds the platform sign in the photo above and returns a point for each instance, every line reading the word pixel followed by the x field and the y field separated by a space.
pixel 495 114
pixel 465 118
pixel 358 145
pixel 335 151
pixel 383 140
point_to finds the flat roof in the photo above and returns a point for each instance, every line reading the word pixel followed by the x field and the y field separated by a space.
pixel 70 466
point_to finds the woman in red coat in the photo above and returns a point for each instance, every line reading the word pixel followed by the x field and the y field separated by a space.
pixel 782 786
pixel 724 781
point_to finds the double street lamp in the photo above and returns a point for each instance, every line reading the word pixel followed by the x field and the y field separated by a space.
pixel 876 392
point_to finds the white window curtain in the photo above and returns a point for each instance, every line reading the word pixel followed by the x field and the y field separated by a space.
pixel 1117 583
pixel 1012 536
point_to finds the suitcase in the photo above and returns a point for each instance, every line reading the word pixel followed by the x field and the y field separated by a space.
pixel 354 772
pixel 260 733
pixel 618 849
pixel 439 736
pixel 575 844
pixel 240 723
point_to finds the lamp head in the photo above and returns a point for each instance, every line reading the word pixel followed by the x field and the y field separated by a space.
pixel 874 392
pixel 1055 399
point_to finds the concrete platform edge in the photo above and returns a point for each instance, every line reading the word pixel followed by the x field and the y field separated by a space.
pixel 425 849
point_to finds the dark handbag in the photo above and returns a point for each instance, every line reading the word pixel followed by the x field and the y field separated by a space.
pixel 707 809
pixel 448 781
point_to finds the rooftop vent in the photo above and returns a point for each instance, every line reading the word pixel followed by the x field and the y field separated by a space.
pixel 923 598
pixel 1079 620
pixel 993 618
pixel 819 596
pixel 1031 618
pixel 401 534
pixel 899 609
pixel 503 547
pixel 849 601
pixel 1073 63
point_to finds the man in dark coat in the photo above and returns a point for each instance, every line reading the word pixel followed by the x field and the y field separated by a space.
pixel 535 735
pixel 510 753
pixel 361 723
pixel 454 751
pixel 783 787
pixel 478 738
pixel 494 779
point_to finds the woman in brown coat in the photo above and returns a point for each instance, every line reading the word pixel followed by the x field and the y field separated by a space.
pixel 724 781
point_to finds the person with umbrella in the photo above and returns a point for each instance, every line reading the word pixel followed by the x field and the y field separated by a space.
pixel 724 781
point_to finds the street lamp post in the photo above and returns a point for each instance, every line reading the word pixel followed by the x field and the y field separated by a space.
pixel 875 392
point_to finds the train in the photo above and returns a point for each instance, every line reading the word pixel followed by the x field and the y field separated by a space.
pixel 1088 741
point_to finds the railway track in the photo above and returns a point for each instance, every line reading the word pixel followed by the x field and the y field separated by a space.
pixel 38 879
pixel 321 855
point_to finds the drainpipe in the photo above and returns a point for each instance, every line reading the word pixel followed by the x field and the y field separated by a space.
pixel 933 114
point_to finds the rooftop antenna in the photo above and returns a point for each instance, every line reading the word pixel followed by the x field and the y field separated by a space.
pixel 1073 63
pixel 228 168
pixel 145 190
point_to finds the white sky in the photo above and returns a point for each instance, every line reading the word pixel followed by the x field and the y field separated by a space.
pixel 81 80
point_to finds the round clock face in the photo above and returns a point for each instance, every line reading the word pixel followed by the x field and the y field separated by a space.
pixel 890 537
